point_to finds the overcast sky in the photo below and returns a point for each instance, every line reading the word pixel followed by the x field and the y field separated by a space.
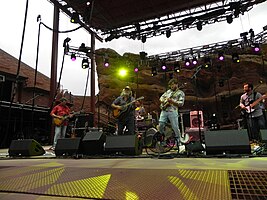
pixel 74 77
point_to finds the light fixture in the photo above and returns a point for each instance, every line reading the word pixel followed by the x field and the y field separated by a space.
pixel 168 33
pixel 194 60
pixel 85 63
pixel 235 58
pixel 163 66
pixel 154 71
pixel 220 56
pixel 207 62
pixel 143 38
pixel 256 47
pixel 136 69
pixel 177 67
pixel 229 19
pixel 187 62
pixel 74 18
pixel 199 25
pixel 73 57
pixel 106 61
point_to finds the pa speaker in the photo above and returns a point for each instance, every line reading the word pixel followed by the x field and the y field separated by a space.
pixel 28 147
pixel 227 141
pixel 126 144
pixel 93 143
pixel 67 146
pixel 263 135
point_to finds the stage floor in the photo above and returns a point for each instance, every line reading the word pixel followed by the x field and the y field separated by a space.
pixel 133 177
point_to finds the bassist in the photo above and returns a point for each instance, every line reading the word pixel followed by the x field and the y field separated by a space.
pixel 126 118
pixel 250 104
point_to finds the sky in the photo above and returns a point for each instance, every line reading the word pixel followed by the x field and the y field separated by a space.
pixel 73 76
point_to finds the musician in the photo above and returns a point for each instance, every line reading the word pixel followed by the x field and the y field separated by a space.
pixel 140 111
pixel 125 120
pixel 250 103
pixel 170 101
pixel 61 112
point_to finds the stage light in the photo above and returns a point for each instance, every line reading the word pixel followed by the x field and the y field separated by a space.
pixel 74 18
pixel 177 67
pixel 136 69
pixel 85 63
pixel 194 61
pixel 168 33
pixel 65 43
pixel 106 61
pixel 207 62
pixel 199 25
pixel 256 47
pixel 73 57
pixel 154 71
pixel 221 56
pixel 235 58
pixel 187 62
pixel 229 19
pixel 143 38
pixel 221 83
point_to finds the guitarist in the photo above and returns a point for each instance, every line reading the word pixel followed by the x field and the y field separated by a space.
pixel 170 101
pixel 250 104
pixel 126 117
pixel 60 111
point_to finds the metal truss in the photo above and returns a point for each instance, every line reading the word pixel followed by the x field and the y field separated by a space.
pixel 191 18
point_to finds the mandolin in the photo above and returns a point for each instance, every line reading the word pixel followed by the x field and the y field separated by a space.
pixel 117 112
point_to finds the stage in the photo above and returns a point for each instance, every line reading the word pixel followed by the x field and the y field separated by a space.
pixel 168 176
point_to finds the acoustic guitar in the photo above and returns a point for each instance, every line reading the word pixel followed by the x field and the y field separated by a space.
pixel 118 113
pixel 59 121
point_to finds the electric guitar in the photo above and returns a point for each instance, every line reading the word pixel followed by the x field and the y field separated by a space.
pixel 166 103
pixel 59 121
pixel 117 112
pixel 250 108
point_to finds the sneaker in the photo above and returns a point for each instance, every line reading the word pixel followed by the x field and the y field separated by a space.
pixel 52 148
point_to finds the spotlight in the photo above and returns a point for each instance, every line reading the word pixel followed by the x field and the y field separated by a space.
pixel 73 57
pixel 187 62
pixel 106 62
pixel 136 69
pixel 84 48
pixel 220 56
pixel 142 55
pixel 229 19
pixel 207 62
pixel 85 63
pixel 154 71
pixel 168 33
pixel 74 18
pixel 163 66
pixel 199 25
pixel 177 67
pixel 66 41
pixel 256 48
pixel 235 58
pixel 143 39
pixel 194 60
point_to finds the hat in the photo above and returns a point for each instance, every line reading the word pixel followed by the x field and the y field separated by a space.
pixel 63 99
pixel 127 87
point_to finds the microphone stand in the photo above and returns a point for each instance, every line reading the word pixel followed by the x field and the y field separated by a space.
pixel 194 77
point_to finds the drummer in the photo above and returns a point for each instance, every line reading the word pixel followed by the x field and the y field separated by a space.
pixel 140 111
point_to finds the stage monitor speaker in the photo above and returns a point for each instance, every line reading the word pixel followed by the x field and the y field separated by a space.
pixel 263 135
pixel 67 146
pixel 93 143
pixel 126 144
pixel 194 121
pixel 227 142
pixel 27 147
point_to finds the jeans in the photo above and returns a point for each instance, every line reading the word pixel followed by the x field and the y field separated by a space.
pixel 60 132
pixel 254 125
pixel 127 122
pixel 172 116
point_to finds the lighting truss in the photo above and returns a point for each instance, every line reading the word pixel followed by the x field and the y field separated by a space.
pixel 226 47
pixel 187 19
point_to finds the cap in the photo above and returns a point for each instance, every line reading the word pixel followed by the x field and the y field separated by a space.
pixel 127 87
pixel 63 99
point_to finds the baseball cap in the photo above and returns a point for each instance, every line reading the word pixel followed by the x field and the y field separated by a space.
pixel 127 87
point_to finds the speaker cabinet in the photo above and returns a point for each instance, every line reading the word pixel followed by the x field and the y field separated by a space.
pixel 93 143
pixel 194 120
pixel 227 141
pixel 126 144
pixel 27 147
pixel 263 135
pixel 67 146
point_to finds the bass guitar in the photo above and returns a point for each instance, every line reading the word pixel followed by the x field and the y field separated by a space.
pixel 117 112
pixel 59 121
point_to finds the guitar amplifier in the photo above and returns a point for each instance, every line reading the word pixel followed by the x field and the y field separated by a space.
pixel 196 118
